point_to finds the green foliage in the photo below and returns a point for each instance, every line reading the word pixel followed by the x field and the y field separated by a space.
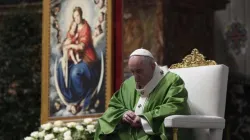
pixel 20 71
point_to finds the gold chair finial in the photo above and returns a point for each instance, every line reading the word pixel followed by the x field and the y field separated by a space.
pixel 194 59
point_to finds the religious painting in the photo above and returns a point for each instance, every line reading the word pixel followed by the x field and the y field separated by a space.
pixel 77 62
pixel 142 28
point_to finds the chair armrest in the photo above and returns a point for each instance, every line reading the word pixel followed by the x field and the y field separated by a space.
pixel 194 121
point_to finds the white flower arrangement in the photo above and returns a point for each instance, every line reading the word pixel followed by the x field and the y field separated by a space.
pixel 59 130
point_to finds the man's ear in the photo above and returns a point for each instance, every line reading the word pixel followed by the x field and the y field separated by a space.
pixel 153 66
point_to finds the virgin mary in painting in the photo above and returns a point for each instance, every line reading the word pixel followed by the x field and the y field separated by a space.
pixel 80 69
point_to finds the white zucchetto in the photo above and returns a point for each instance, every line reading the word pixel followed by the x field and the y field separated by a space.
pixel 142 52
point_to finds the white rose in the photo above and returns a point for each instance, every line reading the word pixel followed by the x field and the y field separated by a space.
pixel 71 124
pixel 49 137
pixel 67 134
pixel 34 134
pixel 63 129
pixel 46 126
pixel 56 129
pixel 67 138
pixel 90 128
pixel 54 139
pixel 58 123
pixel 87 120
pixel 28 138
pixel 91 131
pixel 79 127
pixel 41 134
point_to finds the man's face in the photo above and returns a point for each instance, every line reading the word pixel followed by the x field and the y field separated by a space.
pixel 77 17
pixel 141 70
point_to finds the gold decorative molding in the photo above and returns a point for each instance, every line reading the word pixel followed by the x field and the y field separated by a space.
pixel 194 59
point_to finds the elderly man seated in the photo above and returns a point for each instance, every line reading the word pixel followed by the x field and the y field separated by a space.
pixel 137 110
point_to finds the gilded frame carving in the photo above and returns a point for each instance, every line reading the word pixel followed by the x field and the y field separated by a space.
pixel 194 59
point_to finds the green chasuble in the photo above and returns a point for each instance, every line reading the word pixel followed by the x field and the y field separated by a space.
pixel 168 97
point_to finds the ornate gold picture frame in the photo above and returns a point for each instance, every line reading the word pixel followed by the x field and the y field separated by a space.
pixel 76 59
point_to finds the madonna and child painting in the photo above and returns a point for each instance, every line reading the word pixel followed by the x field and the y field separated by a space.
pixel 77 62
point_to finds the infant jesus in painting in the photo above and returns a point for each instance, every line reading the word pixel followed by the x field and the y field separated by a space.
pixel 73 55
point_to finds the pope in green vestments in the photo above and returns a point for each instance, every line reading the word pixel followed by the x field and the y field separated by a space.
pixel 163 95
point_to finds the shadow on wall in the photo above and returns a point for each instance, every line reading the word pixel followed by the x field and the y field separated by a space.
pixel 20 73
pixel 238 101
pixel 222 53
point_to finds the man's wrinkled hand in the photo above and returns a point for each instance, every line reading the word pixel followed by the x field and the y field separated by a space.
pixel 129 117
pixel 136 122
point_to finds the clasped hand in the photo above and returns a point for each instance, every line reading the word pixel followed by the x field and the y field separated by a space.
pixel 131 118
